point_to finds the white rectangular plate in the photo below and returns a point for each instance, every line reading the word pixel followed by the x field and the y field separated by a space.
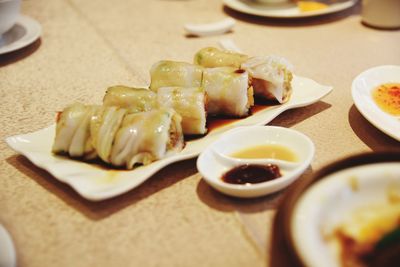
pixel 95 183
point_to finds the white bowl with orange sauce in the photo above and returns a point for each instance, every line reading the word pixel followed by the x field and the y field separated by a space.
pixel 376 94
pixel 280 155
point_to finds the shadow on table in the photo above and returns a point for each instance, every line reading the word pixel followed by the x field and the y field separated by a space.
pixel 102 209
pixel 292 117
pixel 224 203
pixel 369 134
pixel 162 179
pixel 19 54
pixel 293 22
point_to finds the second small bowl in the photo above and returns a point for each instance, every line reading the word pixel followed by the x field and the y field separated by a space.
pixel 216 160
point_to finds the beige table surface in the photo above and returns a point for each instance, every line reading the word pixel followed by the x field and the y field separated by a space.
pixel 175 218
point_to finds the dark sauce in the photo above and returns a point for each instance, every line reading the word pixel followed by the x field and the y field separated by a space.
pixel 251 174
pixel 215 122
pixel 240 71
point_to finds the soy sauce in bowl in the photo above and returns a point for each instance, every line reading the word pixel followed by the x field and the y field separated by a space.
pixel 251 174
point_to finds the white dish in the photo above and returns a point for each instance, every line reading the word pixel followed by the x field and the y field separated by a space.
pixel 8 256
pixel 209 29
pixel 337 199
pixel 25 31
pixel 96 183
pixel 214 161
pixel 289 10
pixel 362 87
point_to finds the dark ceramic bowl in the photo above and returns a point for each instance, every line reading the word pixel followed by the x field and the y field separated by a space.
pixel 291 245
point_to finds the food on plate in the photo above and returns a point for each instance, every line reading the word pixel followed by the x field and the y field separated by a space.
pixel 271 77
pixel 227 88
pixel 73 131
pixel 211 57
pixel 116 136
pixel 173 73
pixel 307 6
pixel 103 128
pixel 147 136
pixel 228 91
pixel 370 236
pixel 189 103
pixel 141 125
pixel 130 98
pixel 387 97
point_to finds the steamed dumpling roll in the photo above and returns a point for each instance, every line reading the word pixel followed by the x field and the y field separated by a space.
pixel 189 103
pixel 173 73
pixel 211 57
pixel 103 127
pixel 271 77
pixel 73 131
pixel 132 99
pixel 147 136
pixel 228 91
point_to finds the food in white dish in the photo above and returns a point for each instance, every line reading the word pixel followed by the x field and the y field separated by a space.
pixel 271 77
pixel 147 136
pixel 103 128
pixel 73 131
pixel 228 91
pixel 190 103
pixel 130 98
pixel 173 73
pixel 227 88
pixel 350 217
pixel 179 99
pixel 116 136
pixel 211 57
pixel 368 236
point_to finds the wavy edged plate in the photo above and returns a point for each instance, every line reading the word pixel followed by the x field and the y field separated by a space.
pixel 98 183
pixel 361 91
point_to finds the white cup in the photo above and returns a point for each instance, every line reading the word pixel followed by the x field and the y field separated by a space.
pixel 381 13
pixel 9 12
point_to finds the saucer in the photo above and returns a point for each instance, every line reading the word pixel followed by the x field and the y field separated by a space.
pixel 289 10
pixel 25 31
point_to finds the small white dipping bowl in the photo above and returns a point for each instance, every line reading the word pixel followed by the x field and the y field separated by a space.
pixel 9 12
pixel 215 161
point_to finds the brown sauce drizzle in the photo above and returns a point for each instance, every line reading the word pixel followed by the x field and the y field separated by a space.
pixel 239 71
pixel 214 122
pixel 251 174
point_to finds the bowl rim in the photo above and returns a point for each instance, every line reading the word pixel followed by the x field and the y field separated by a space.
pixel 283 250
pixel 3 1
pixel 239 190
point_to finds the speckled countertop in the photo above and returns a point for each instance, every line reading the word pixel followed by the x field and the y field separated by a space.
pixel 175 218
